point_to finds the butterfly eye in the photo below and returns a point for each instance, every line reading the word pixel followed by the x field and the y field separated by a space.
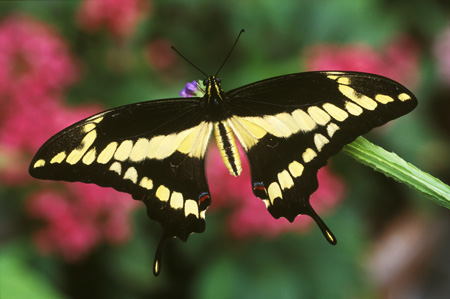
pixel 206 82
pixel 218 80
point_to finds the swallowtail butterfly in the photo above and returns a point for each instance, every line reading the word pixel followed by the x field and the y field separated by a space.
pixel 288 126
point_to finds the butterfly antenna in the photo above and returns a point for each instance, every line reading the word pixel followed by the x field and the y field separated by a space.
pixel 229 53
pixel 188 61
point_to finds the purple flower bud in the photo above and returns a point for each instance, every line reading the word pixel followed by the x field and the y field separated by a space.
pixel 189 90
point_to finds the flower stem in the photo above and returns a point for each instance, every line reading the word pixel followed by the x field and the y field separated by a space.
pixel 395 167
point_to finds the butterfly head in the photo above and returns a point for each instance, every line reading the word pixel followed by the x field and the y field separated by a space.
pixel 213 88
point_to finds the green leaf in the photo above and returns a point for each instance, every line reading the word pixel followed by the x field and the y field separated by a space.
pixel 395 167
pixel 18 279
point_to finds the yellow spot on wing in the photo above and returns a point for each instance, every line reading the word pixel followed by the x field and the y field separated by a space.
pixel 296 169
pixel 383 99
pixel 98 119
pixel 330 237
pixel 282 125
pixel 285 180
pixel 140 150
pixel 89 157
pixel 176 200
pixel 190 207
pixel 116 167
pixel 58 158
pixel 271 124
pixel 76 154
pixel 274 191
pixel 360 99
pixel 162 193
pixel 189 139
pixel 320 141
pixel 344 80
pixel 39 163
pixel 250 129
pixel 331 129
pixel 256 131
pixel 335 112
pixel 201 143
pixel 156 267
pixel 288 121
pixel 124 150
pixel 318 115
pixel 353 109
pixel 277 126
pixel 195 142
pixel 107 153
pixel 131 174
pixel 303 120
pixel 146 183
pixel 404 97
pixel 332 77
pixel 89 127
pixel 246 131
pixel 309 155
pixel 164 146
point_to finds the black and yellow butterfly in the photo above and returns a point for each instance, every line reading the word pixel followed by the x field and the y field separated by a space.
pixel 288 126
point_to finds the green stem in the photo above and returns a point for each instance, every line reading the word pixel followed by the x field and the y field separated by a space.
pixel 395 167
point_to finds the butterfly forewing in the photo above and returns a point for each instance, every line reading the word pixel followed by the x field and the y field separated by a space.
pixel 290 125
pixel 153 150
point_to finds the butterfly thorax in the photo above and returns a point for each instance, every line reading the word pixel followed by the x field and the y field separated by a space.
pixel 219 114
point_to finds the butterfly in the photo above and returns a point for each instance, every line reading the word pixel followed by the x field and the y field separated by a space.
pixel 288 126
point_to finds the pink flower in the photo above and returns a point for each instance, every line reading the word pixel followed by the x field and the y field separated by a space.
pixel 249 216
pixel 32 55
pixel 78 217
pixel 119 17
pixel 442 55
pixel 27 127
pixel 399 60
pixel 35 68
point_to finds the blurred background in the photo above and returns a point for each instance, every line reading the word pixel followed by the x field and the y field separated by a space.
pixel 61 61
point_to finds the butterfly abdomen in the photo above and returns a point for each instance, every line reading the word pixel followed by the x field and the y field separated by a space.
pixel 227 147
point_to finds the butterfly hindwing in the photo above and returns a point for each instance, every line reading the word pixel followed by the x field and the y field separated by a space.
pixel 290 125
pixel 150 150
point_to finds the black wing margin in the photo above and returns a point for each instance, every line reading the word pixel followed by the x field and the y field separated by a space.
pixel 290 125
pixel 153 150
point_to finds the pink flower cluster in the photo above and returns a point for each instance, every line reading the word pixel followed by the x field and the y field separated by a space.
pixel 33 55
pixel 79 217
pixel 249 216
pixel 398 61
pixel 119 17
pixel 36 68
